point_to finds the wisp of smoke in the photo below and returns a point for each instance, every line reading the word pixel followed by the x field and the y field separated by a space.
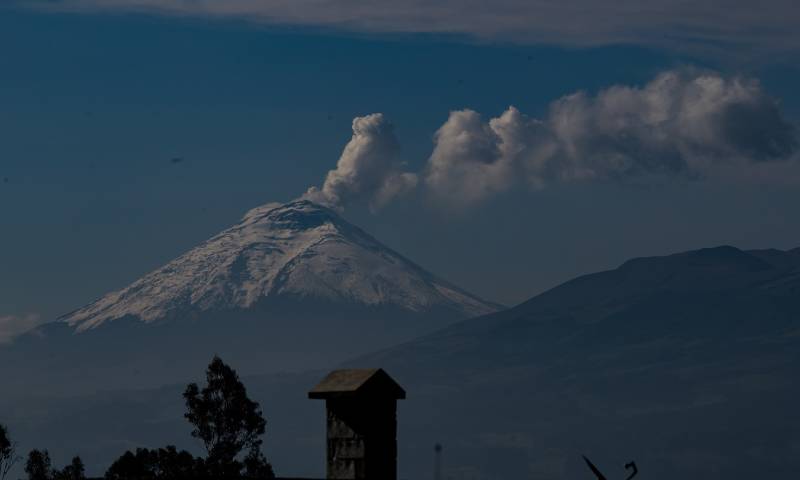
pixel 368 169
pixel 682 124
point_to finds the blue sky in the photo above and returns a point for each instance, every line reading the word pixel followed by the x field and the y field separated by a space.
pixel 96 103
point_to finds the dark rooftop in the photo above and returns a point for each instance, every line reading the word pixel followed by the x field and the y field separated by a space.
pixel 357 381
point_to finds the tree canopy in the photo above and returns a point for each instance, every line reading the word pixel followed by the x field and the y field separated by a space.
pixel 164 463
pixel 38 466
pixel 74 471
pixel 224 417
pixel 229 424
pixel 8 453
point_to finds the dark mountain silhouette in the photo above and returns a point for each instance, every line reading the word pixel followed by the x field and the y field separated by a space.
pixel 706 297
pixel 686 364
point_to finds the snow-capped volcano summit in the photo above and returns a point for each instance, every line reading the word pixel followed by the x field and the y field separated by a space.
pixel 290 287
pixel 296 250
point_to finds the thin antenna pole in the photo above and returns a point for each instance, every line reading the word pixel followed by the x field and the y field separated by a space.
pixel 437 463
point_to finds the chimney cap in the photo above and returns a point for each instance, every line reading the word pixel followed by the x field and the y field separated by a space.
pixel 353 382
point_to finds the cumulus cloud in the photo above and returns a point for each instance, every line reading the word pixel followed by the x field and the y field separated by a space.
pixel 718 25
pixel 13 325
pixel 368 170
pixel 682 123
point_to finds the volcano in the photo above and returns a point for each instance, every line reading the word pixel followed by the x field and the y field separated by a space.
pixel 291 286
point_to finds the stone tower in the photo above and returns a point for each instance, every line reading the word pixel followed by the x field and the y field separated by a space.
pixel 362 423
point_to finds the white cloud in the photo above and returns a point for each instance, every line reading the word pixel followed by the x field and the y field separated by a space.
pixel 680 124
pixel 13 325
pixel 721 26
pixel 368 170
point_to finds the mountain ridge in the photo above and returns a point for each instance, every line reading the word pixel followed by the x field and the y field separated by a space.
pixel 685 362
pixel 691 379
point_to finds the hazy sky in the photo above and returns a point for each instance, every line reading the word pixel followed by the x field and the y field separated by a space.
pixel 129 134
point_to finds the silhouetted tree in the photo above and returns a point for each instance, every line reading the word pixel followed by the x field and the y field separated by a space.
pixel 172 464
pixel 38 465
pixel 257 467
pixel 132 466
pixel 74 471
pixel 162 464
pixel 8 453
pixel 227 421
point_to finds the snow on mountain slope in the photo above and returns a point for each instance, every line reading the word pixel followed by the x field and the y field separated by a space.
pixel 298 249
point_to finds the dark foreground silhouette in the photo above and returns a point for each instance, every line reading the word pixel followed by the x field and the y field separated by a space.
pixel 225 420
pixel 8 453
pixel 600 476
